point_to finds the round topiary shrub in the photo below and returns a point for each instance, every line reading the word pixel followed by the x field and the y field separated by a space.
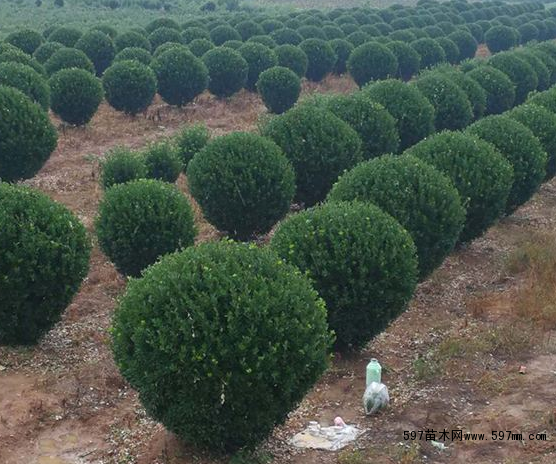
pixel 163 35
pixel 45 256
pixel 263 329
pixel 452 107
pixel 285 36
pixel 311 32
pixel 221 34
pixel 131 39
pixel 181 76
pixel 519 71
pixel 547 99
pixel 423 200
pixel 409 61
pixel 450 48
pixel 66 58
pixel 162 161
pixel 500 91
pixel 243 183
pixel 540 69
pixel 499 38
pixel 248 29
pixel 192 33
pixel 190 141
pixel 129 86
pixel 134 53
pixel 371 61
pixel 259 58
pixel 263 40
pixel 27 137
pixel 46 50
pixel 321 58
pixel 292 57
pixel 227 69
pixel 279 88
pixel 142 220
pixel 362 261
pixel 122 165
pixel 110 31
pixel 412 111
pixel 521 148
pixel 17 56
pixel 479 172
pixel 234 44
pixel 343 49
pixel 200 46
pixel 67 36
pixel 319 145
pixel 162 22
pixel 75 95
pixel 27 80
pixel 542 123
pixel 27 40
pixel 430 52
pixel 99 48
pixel 466 43
pixel 527 32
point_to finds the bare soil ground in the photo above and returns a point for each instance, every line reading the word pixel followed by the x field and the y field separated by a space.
pixel 452 361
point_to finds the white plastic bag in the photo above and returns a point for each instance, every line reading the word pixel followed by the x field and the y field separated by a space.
pixel 376 397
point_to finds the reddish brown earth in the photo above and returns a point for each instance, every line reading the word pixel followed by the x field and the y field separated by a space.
pixel 451 361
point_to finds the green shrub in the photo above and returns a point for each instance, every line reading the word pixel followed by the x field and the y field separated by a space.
pixel 466 43
pixel 27 40
pixel 271 24
pixel 99 48
pixel 311 32
pixel 451 50
pixel 192 33
pixel 548 61
pixel 134 53
pixel 27 80
pixel 234 44
pixel 17 56
pixel 129 86
pixel 110 31
pixel 75 95
pixel 343 49
pixel 519 71
pixel 480 173
pixel 162 161
pixel 263 40
pixel 412 111
pixel 162 22
pixel 362 261
pixel 527 32
pixel 67 36
pixel 223 33
pixel 285 36
pixel 45 256
pixel 142 220
pixel 190 141
pixel 409 61
pixel 540 69
pixel 131 39
pixel 66 58
pixel 200 46
pixel 430 52
pixel 292 57
pixel 243 183
pixel 358 38
pixel 371 61
pixel 423 200
pixel 521 148
pixel 319 145
pixel 547 99
pixel 452 107
pixel 228 71
pixel 259 58
pixel 46 50
pixel 231 318
pixel 27 137
pixel 321 58
pixel 181 76
pixel 279 88
pixel 402 35
pixel 248 29
pixel 122 165
pixel 500 91
pixel 499 38
pixel 163 35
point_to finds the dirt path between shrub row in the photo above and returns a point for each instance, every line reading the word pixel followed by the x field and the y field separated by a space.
pixel 64 402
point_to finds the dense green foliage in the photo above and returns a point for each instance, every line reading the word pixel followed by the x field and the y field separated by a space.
pixel 66 58
pixel 99 48
pixel 519 71
pixel 27 80
pixel 292 57
pixel 499 38
pixel 372 61
pixel 279 88
pixel 259 58
pixel 134 53
pixel 321 58
pixel 163 161
pixel 27 40
pixel 499 89
pixel 228 71
pixel 189 141
pixel 409 61
pixel 122 165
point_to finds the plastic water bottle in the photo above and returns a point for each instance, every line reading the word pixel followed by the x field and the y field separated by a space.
pixel 374 371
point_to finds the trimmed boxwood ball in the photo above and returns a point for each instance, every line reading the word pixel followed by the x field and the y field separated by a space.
pixel 311 32
pixel 45 256
pixel 412 111
pixel 17 56
pixel 286 35
pixel 540 69
pixel 409 61
pixel 263 40
pixel 129 86
pixel 450 48
pixel 67 36
pixel 229 319
pixel 370 62
pixel 519 71
pixel 134 53
pixel 466 43
pixel 27 80
pixel 131 39
pixel 319 145
pixel 499 38
pixel 142 220
pixel 27 40
pixel 243 183
pixel 292 57
pixel 162 22
pixel 500 91
pixel 279 88
pixel 527 32
pixel 221 34
pixel 343 49
pixel 191 140
pixel 547 99
pixel 521 148
pixel 227 69
pixel 99 48
pixel 321 56
pixel 46 50
pixel 192 33
pixel 362 261
pixel 181 76
pixel 423 200
pixel 430 51
pixel 122 165
pixel 200 46
pixel 27 137
pixel 259 58
pixel 452 107
pixel 234 44
pixel 75 95
pixel 163 161
pixel 162 35
pixel 248 29
pixel 547 60
pixel 480 173
pixel 542 123
pixel 66 58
